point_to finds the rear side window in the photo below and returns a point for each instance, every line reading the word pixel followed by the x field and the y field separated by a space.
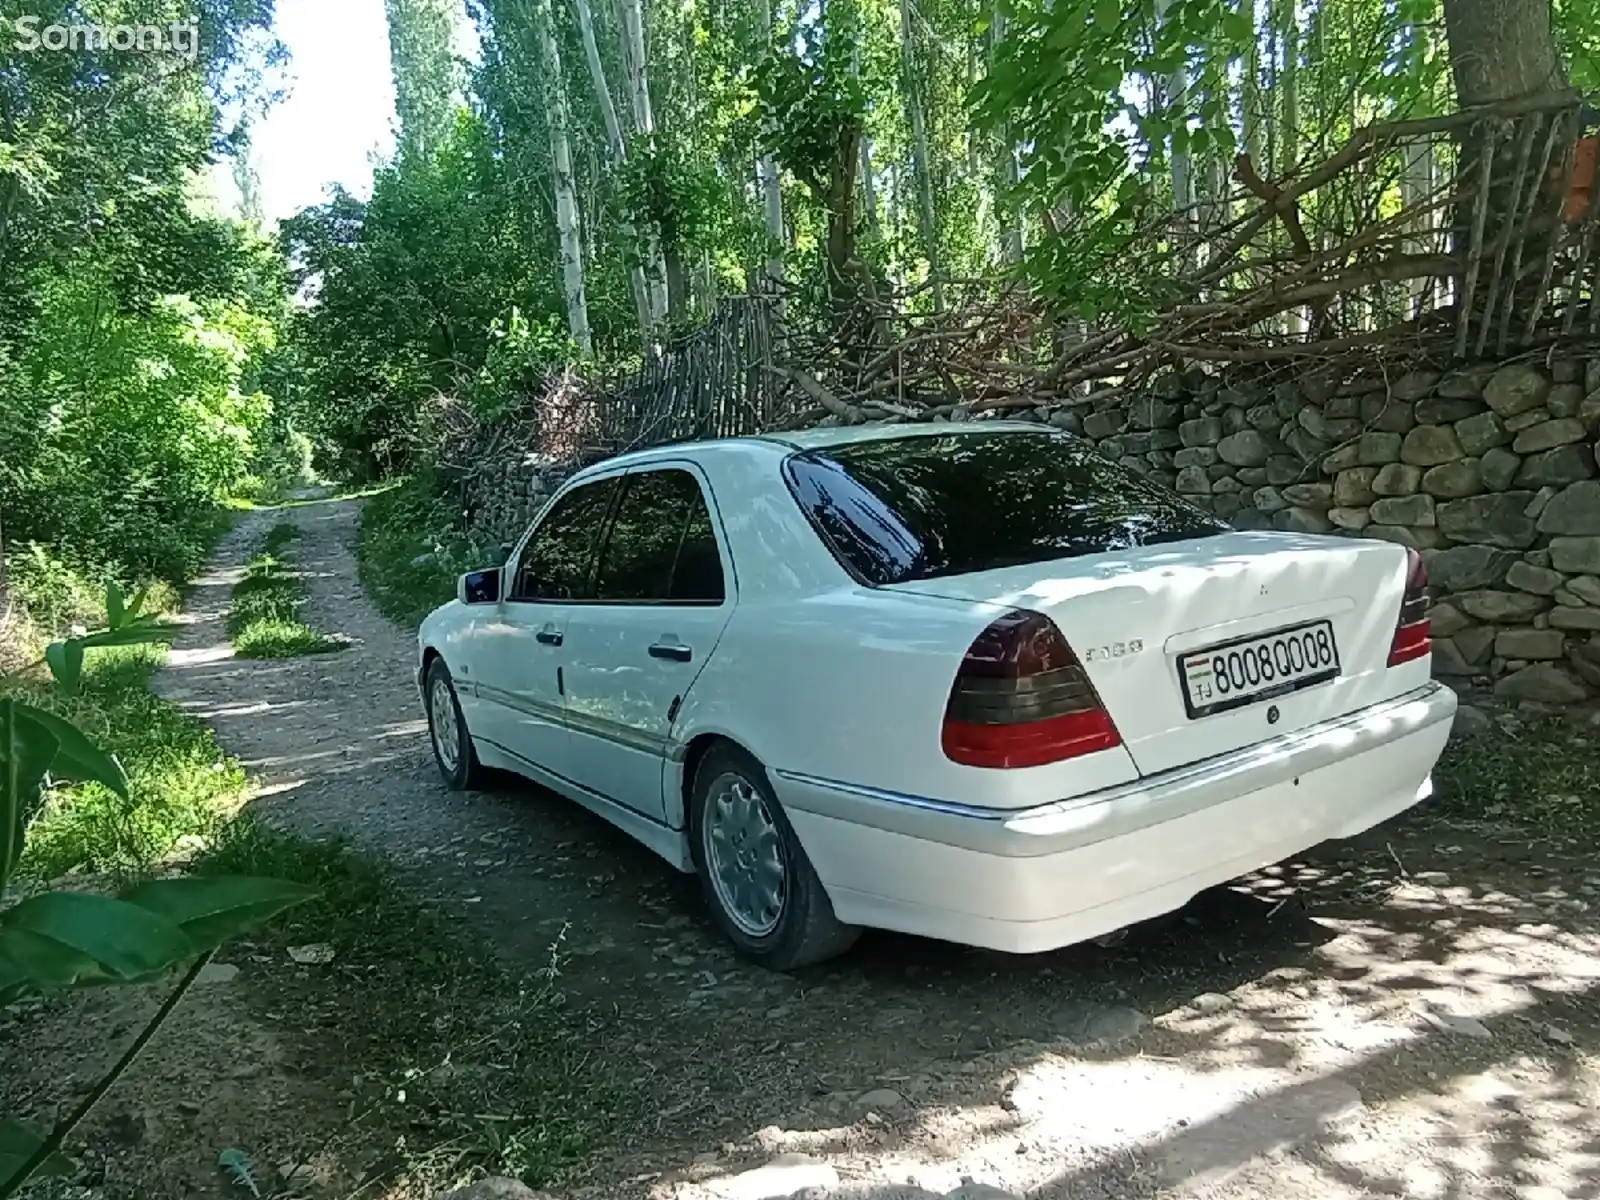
pixel 661 548
pixel 904 509
pixel 558 561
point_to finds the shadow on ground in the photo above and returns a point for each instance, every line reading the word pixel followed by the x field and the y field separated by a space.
pixel 1412 1014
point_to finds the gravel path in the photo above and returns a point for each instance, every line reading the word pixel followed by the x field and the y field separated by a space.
pixel 1339 1028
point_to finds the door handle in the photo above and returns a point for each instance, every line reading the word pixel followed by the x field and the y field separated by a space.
pixel 549 637
pixel 676 651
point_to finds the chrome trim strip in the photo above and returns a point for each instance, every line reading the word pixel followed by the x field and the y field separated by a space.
pixel 1205 771
pixel 597 727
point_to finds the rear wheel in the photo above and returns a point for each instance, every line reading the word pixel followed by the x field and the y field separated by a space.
pixel 447 728
pixel 761 887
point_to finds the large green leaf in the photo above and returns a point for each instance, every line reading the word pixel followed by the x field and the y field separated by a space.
pixel 33 964
pixel 26 751
pixel 18 1144
pixel 65 660
pixel 124 940
pixel 116 610
pixel 77 759
pixel 210 909
pixel 130 635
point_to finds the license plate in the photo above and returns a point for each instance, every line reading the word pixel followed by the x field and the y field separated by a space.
pixel 1252 669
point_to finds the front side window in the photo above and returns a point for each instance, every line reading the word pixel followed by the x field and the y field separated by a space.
pixel 904 509
pixel 558 561
pixel 662 547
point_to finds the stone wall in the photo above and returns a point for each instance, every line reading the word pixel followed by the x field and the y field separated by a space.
pixel 503 494
pixel 1489 471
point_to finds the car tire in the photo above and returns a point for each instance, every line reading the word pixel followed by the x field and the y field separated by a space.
pixel 453 751
pixel 800 928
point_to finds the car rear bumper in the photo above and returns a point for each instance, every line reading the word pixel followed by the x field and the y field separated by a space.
pixel 1035 879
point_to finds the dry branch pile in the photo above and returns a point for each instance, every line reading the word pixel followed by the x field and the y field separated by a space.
pixel 1489 247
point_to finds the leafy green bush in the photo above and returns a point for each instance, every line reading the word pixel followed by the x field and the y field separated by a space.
pixel 52 592
pixel 124 454
pixel 412 547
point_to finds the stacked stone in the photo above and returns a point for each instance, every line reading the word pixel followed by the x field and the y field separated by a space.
pixel 505 496
pixel 1489 471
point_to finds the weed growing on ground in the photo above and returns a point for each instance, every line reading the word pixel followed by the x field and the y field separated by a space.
pixel 1542 777
pixel 180 782
pixel 482 1071
pixel 264 619
pixel 412 548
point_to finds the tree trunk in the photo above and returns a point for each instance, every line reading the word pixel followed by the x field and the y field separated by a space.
pixel 1250 88
pixel 619 156
pixel 635 65
pixel 1288 140
pixel 869 190
pixel 567 220
pixel 772 211
pixel 677 281
pixel 869 187
pixel 1289 93
pixel 767 174
pixel 1175 89
pixel 846 275
pixel 634 61
pixel 1211 179
pixel 1011 238
pixel 1501 50
pixel 922 167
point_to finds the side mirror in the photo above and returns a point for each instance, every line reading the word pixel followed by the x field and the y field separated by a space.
pixel 479 587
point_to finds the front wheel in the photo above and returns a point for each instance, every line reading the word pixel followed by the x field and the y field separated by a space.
pixel 761 887
pixel 447 729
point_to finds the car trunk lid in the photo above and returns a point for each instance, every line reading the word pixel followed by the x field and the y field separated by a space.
pixel 1136 617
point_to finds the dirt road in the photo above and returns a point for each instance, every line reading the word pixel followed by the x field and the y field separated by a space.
pixel 1412 1016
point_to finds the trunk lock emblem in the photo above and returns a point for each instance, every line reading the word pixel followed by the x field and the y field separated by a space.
pixel 1273 714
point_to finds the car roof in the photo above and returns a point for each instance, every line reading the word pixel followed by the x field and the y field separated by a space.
pixel 792 441
pixel 846 435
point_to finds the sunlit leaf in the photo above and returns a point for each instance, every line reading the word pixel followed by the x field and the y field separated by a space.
pixel 210 909
pixel 53 933
pixel 26 752
pixel 77 759
pixel 130 635
pixel 18 1144
pixel 65 660
pixel 116 611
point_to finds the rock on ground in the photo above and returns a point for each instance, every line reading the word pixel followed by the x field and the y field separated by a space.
pixel 498 1188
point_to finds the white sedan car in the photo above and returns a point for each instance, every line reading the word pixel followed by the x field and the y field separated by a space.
pixel 974 682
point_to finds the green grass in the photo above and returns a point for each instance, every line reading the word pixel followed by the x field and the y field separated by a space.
pixel 1542 778
pixel 457 1067
pixel 401 525
pixel 181 784
pixel 482 1071
pixel 264 618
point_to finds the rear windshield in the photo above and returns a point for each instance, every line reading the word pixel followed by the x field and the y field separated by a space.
pixel 913 508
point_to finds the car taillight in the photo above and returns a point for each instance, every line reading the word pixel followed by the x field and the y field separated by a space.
pixel 1022 699
pixel 1412 638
